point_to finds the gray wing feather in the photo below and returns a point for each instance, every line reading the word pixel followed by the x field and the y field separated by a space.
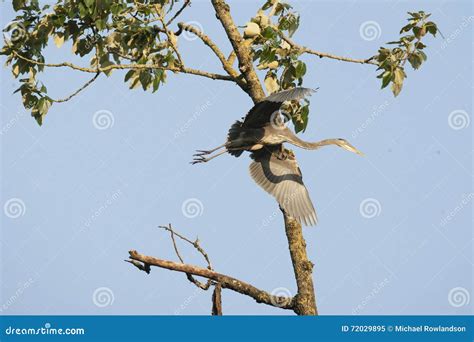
pixel 282 179
pixel 290 94
pixel 260 114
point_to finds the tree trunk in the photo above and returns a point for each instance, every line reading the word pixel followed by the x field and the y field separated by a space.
pixel 305 301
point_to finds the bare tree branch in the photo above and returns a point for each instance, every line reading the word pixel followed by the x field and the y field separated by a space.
pixel 184 70
pixel 304 49
pixel 305 300
pixel 254 87
pixel 206 40
pixel 217 300
pixel 225 281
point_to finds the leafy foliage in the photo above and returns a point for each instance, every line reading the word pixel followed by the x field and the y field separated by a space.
pixel 408 48
pixel 114 34
pixel 282 63
pixel 110 32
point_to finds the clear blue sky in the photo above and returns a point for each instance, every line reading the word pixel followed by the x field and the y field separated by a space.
pixel 87 195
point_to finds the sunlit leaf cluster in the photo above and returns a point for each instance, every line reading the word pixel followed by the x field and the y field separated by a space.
pixel 107 35
pixel 408 48
pixel 281 63
pixel 104 31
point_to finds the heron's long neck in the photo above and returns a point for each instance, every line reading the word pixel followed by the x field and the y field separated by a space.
pixel 293 139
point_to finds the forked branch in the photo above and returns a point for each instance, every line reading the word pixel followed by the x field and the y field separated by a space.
pixel 225 281
pixel 219 281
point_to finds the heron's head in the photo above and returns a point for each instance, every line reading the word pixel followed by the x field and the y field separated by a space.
pixel 348 146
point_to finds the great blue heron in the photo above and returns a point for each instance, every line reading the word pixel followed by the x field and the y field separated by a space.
pixel 274 168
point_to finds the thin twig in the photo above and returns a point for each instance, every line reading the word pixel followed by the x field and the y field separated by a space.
pixel 304 49
pixel 196 245
pixel 172 42
pixel 88 83
pixel 208 41
pixel 186 4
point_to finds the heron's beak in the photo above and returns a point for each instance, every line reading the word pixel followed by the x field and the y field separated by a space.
pixel 347 146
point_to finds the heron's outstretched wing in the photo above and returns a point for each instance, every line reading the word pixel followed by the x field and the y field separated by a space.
pixel 281 178
pixel 261 113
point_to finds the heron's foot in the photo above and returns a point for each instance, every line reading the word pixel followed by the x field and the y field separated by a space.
pixel 202 152
pixel 199 159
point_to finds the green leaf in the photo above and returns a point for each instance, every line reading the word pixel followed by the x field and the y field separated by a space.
pixel 431 28
pixel 406 28
pixel 18 4
pixel 105 64
pixel 419 45
pixel 145 79
pixel 386 78
pixel 269 32
pixel 399 75
pixel 16 70
pixel 396 88
pixel 415 60
pixel 422 55
pixel 100 24
pixel 129 74
pixel 59 39
pixel 300 121
pixel 300 69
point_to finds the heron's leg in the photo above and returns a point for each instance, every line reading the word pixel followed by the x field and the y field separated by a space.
pixel 202 159
pixel 204 152
pixel 199 158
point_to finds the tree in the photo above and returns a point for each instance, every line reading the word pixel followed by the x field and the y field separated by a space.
pixel 142 37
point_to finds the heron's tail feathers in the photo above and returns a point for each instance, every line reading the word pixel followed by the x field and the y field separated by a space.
pixel 233 135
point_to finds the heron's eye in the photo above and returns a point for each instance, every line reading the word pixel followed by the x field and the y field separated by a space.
pixel 285 116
